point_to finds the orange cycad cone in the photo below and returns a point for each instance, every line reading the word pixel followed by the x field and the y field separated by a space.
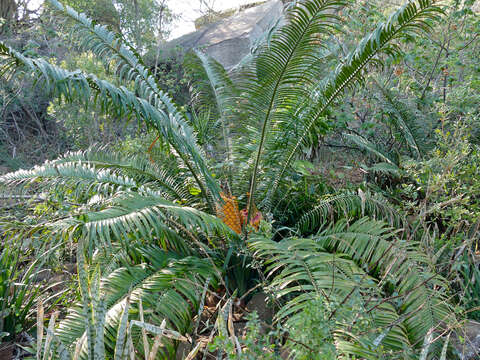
pixel 229 213
pixel 234 218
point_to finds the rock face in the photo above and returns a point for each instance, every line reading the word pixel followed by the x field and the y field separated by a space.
pixel 469 348
pixel 230 39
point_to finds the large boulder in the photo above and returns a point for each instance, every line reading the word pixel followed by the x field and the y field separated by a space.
pixel 466 340
pixel 229 39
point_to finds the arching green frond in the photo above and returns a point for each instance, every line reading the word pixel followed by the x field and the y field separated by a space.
pixel 149 216
pixel 213 96
pixel 372 148
pixel 350 206
pixel 112 49
pixel 109 47
pixel 384 168
pixel 282 72
pixel 423 296
pixel 363 262
pixel 155 175
pixel 212 85
pixel 169 288
pixel 127 205
pixel 414 16
pixel 405 121
pixel 78 177
pixel 303 273
pixel 86 176
pixel 75 84
pixel 172 126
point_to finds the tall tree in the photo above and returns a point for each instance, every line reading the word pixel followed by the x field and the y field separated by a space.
pixel 142 22
pixel 102 11
pixel 8 11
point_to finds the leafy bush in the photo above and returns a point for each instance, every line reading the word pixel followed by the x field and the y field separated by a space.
pixel 444 189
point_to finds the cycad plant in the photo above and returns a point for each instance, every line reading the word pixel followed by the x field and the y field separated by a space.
pixel 154 235
pixel 409 129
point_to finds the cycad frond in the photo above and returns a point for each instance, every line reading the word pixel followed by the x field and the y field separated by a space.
pixel 212 86
pixel 112 49
pixel 80 177
pixel 398 264
pixel 84 174
pixel 169 287
pixel 372 148
pixel 405 121
pixel 213 95
pixel 414 16
pixel 383 168
pixel 360 262
pixel 282 72
pixel 349 206
pixel 120 100
pixel 154 175
pixel 147 215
